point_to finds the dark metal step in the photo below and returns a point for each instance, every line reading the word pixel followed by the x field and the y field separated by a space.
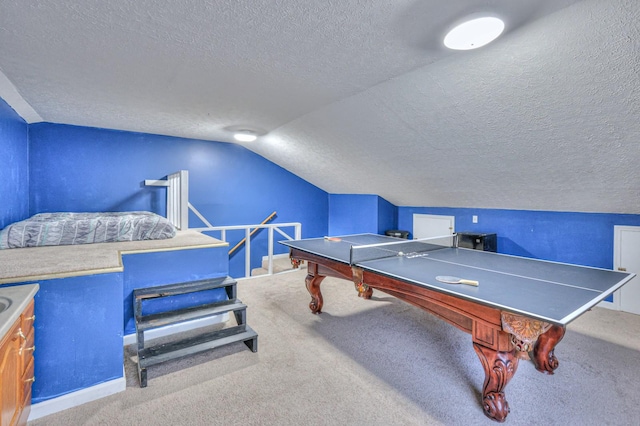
pixel 191 345
pixel 147 322
pixel 182 288
pixel 167 351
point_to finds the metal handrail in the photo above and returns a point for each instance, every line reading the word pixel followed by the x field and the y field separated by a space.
pixel 297 227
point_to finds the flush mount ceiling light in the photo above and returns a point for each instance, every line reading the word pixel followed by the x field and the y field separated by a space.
pixel 245 136
pixel 474 33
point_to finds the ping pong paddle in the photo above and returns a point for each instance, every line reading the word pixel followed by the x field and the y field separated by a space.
pixel 332 238
pixel 456 280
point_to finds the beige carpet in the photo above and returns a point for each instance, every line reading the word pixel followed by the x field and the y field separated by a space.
pixel 49 262
pixel 371 362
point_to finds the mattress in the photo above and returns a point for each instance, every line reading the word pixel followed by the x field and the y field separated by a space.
pixel 53 229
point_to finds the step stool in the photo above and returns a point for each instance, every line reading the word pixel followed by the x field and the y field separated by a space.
pixel 152 355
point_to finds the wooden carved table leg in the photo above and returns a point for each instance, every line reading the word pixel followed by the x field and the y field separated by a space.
pixel 312 282
pixel 363 290
pixel 499 368
pixel 543 356
pixel 524 332
pixel 295 263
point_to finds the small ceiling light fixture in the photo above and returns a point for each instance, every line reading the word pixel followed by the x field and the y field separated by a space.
pixel 474 33
pixel 245 136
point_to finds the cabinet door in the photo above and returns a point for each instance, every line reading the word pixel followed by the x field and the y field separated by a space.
pixel 25 407
pixel 26 348
pixel 10 376
pixel 28 345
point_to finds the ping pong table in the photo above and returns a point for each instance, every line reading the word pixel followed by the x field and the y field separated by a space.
pixel 513 307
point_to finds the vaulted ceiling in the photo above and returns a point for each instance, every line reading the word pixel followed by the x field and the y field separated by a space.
pixel 356 97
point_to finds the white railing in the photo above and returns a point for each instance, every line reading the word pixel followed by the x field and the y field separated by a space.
pixel 271 227
pixel 178 207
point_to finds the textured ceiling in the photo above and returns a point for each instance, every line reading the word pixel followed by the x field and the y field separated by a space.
pixel 356 96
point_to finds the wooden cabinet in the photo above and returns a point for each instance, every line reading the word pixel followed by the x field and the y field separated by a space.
pixel 10 376
pixel 16 370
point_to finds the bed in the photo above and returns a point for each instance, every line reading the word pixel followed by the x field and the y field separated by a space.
pixel 54 229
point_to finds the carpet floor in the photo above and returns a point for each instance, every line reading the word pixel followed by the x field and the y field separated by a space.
pixel 371 362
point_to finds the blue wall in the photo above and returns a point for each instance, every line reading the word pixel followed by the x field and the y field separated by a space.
pixel 354 213
pixel 387 216
pixel 78 334
pixel 144 270
pixel 79 325
pixel 14 170
pixel 578 238
pixel 87 169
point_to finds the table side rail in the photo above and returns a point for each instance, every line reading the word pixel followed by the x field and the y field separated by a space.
pixel 324 266
pixel 440 304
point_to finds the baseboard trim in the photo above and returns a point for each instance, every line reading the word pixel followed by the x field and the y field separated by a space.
pixel 76 398
pixel 155 333
pixel 111 387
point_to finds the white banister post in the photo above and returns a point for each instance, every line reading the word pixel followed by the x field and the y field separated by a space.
pixel 183 194
pixel 270 248
pixel 172 213
pixel 247 253
pixel 223 235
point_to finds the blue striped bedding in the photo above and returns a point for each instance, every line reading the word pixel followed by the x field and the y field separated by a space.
pixel 53 229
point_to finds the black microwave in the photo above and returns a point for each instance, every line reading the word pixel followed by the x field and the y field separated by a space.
pixel 476 241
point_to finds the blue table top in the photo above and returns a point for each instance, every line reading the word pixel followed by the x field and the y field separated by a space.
pixel 549 291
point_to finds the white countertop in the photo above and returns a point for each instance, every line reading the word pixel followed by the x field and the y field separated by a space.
pixel 19 297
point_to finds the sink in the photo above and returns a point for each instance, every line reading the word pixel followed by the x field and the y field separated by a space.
pixel 4 303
